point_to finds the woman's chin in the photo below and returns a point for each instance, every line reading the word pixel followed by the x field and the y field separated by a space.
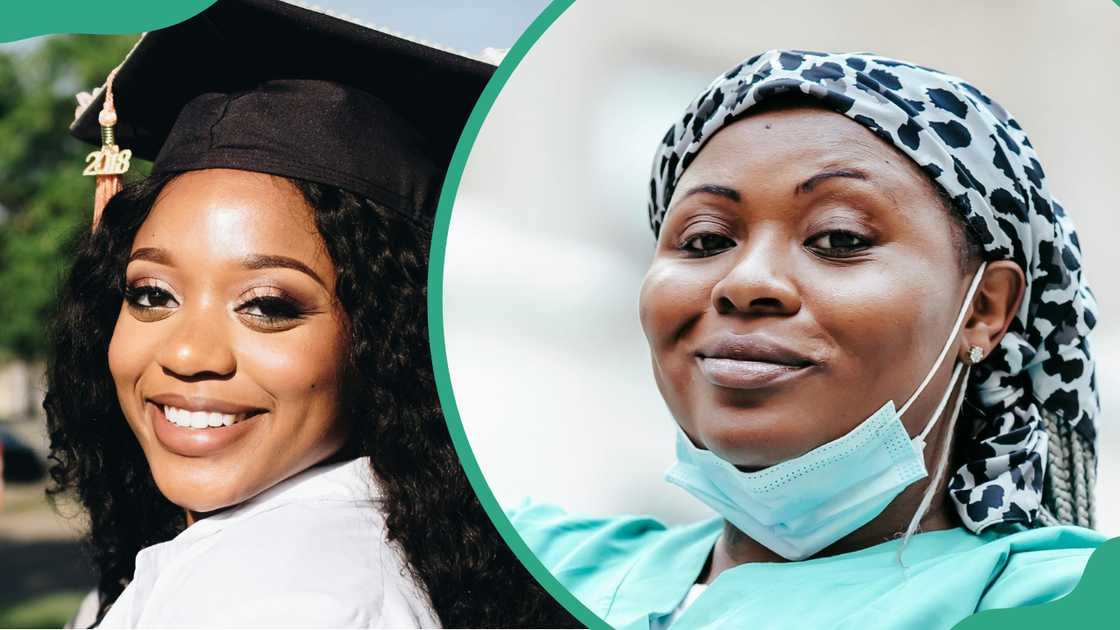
pixel 193 501
pixel 200 490
pixel 754 443
pixel 747 458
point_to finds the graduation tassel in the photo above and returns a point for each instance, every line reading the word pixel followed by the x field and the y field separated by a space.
pixel 109 163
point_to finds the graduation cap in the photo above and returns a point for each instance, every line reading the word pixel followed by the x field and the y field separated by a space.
pixel 268 86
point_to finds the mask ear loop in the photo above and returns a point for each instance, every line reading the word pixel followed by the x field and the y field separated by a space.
pixel 952 337
pixel 942 464
pixel 920 441
pixel 943 460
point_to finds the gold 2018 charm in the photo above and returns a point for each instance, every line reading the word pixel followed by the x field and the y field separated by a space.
pixel 110 160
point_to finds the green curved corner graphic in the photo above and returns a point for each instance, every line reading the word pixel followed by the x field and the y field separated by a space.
pixel 22 19
pixel 1087 606
pixel 435 320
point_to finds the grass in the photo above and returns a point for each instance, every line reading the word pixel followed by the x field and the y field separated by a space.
pixel 45 611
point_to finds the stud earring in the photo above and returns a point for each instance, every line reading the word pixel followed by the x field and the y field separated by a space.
pixel 975 353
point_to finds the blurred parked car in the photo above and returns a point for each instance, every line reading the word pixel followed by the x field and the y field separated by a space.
pixel 19 463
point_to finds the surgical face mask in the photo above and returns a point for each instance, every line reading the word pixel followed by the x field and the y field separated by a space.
pixel 800 506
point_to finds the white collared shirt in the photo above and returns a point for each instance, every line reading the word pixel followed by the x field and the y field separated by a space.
pixel 308 552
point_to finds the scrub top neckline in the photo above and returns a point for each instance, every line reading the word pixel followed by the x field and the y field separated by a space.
pixel 639 594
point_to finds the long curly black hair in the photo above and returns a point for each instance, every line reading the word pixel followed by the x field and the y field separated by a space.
pixel 452 548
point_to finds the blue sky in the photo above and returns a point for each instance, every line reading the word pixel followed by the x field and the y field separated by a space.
pixel 466 26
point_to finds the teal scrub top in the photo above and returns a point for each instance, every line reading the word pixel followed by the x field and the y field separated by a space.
pixel 634 570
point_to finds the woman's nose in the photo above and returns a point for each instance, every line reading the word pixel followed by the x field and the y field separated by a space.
pixel 759 282
pixel 198 347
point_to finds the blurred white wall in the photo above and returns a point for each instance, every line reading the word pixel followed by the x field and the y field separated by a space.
pixel 549 242
pixel 21 388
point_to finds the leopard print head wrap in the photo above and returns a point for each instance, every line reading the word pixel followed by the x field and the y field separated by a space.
pixel 970 146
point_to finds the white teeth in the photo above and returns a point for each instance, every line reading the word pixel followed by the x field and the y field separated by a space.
pixel 200 419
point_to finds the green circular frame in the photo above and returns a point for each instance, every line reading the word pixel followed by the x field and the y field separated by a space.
pixel 435 319
pixel 1086 607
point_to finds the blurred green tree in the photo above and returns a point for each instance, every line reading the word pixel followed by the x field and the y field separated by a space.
pixel 44 199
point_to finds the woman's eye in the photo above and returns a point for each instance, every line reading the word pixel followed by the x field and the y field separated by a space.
pixel 838 243
pixel 707 244
pixel 149 297
pixel 271 309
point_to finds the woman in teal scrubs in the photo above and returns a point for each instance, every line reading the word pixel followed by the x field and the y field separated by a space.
pixel 866 313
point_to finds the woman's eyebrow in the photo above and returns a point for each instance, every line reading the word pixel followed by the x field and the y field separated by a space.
pixel 809 184
pixel 714 189
pixel 151 254
pixel 804 187
pixel 268 261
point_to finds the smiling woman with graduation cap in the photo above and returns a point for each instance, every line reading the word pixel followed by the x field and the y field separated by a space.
pixel 240 392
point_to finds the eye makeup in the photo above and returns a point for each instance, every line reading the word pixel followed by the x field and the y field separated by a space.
pixel 149 299
pixel 270 308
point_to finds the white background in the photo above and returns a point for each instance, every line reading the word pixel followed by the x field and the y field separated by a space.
pixel 549 242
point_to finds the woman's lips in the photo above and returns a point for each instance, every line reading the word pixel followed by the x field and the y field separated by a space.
pixel 203 404
pixel 195 442
pixel 750 361
pixel 744 374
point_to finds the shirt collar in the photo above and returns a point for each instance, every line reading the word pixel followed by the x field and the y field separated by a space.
pixel 348 481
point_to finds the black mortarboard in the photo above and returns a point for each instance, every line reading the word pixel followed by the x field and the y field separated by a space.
pixel 268 86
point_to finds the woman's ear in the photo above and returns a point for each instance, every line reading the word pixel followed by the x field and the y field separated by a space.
pixel 995 304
